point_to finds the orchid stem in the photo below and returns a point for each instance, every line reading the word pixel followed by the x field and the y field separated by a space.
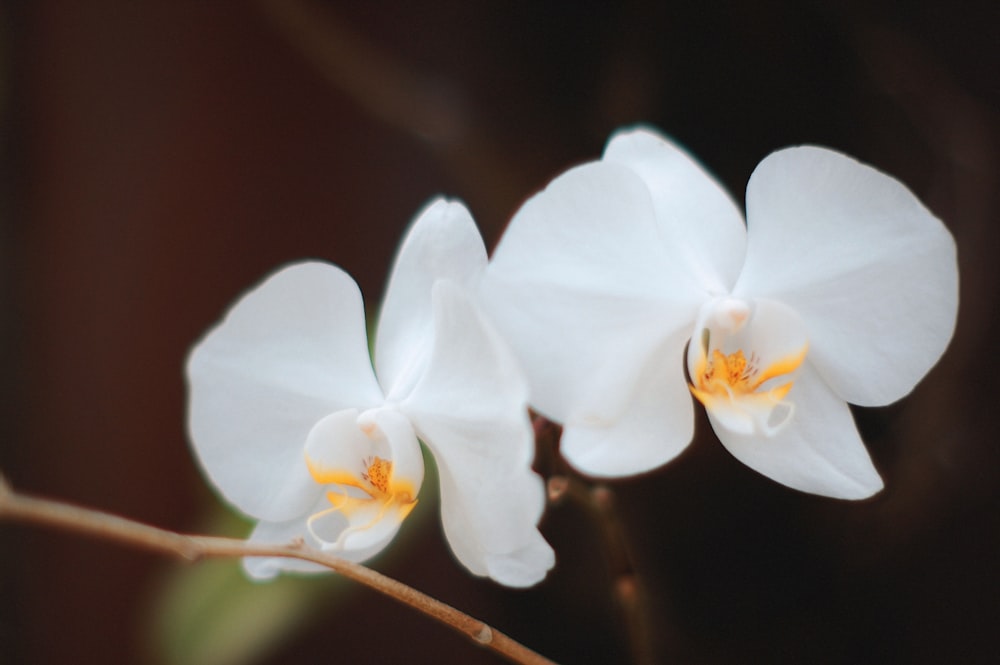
pixel 599 501
pixel 626 588
pixel 191 548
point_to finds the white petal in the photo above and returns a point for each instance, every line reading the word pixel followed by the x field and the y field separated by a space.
pixel 470 408
pixel 583 353
pixel 817 451
pixel 472 375
pixel 287 354
pixel 583 281
pixel 490 514
pixel 870 270
pixel 442 243
pixel 593 229
pixel 696 213
pixel 521 568
pixel 656 425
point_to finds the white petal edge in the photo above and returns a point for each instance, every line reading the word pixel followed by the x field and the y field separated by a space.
pixel 693 209
pixel 442 243
pixel 470 408
pixel 289 352
pixel 594 229
pixel 872 272
pixel 818 451
pixel 490 517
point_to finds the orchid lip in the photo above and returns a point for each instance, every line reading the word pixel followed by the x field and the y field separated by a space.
pixel 362 498
pixel 743 366
pixel 730 387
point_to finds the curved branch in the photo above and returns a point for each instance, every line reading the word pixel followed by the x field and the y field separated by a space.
pixel 65 517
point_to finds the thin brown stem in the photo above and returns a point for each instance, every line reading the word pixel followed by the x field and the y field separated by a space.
pixel 625 585
pixel 599 501
pixel 85 521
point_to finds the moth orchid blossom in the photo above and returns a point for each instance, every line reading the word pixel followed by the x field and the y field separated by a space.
pixel 839 287
pixel 295 428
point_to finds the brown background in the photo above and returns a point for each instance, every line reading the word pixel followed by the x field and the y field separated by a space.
pixel 163 156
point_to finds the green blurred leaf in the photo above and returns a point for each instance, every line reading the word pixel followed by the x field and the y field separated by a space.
pixel 210 613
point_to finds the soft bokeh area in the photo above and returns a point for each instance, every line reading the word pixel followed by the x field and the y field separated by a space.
pixel 162 157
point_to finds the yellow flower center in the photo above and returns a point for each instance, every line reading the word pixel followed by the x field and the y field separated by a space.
pixel 733 376
pixel 732 388
pixel 732 371
pixel 377 473
pixel 743 362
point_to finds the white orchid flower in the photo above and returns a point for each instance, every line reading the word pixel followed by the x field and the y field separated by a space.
pixel 844 290
pixel 295 429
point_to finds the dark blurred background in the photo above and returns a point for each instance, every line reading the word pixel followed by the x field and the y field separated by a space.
pixel 161 157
